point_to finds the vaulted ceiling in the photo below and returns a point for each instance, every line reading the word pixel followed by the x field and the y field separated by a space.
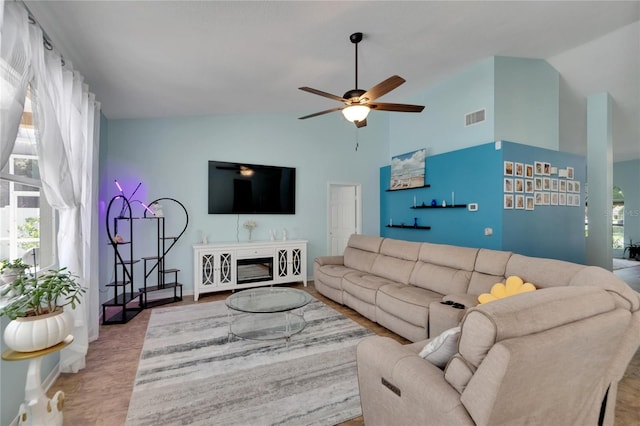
pixel 180 58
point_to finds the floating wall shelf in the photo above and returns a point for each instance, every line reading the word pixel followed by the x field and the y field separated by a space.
pixel 404 189
pixel 408 227
pixel 457 206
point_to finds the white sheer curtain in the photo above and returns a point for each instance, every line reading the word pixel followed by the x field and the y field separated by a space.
pixel 15 59
pixel 65 117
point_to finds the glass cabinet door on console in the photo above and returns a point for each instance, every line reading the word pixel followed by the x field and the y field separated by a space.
pixel 290 261
pixel 217 268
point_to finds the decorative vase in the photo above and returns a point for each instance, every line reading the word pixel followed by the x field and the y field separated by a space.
pixel 34 333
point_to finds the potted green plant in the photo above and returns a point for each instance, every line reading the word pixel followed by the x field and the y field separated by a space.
pixel 37 310
pixel 10 269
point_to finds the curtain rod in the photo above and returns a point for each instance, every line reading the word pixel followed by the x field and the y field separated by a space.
pixel 46 40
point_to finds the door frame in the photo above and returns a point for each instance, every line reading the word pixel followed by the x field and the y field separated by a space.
pixel 358 191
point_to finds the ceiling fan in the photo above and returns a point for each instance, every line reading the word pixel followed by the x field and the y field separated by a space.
pixel 358 102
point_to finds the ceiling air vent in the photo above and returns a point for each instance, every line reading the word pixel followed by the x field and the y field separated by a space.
pixel 474 117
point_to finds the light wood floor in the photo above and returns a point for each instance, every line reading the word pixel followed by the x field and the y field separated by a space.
pixel 100 393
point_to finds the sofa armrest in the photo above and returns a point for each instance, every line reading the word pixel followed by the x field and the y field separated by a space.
pixel 468 300
pixel 443 317
pixel 399 387
pixel 329 260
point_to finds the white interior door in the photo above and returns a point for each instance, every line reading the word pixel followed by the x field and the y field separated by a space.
pixel 344 215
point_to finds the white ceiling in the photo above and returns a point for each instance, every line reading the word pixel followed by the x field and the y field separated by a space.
pixel 181 58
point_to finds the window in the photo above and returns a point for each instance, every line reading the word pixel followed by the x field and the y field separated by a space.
pixel 26 219
pixel 617 218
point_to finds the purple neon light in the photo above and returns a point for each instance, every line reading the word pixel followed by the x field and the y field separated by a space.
pixel 147 208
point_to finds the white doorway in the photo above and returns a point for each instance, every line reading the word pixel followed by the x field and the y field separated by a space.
pixel 344 215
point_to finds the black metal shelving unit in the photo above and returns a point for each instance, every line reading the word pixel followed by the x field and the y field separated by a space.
pixel 166 278
pixel 125 301
pixel 129 301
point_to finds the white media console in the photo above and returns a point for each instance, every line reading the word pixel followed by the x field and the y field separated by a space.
pixel 233 266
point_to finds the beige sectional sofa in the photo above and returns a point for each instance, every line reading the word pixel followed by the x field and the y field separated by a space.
pixel 551 356
pixel 400 284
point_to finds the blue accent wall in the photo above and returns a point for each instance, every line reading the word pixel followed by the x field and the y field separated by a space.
pixel 476 175
pixel 471 174
pixel 552 231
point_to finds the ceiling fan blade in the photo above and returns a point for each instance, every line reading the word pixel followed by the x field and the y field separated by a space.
pixel 321 113
pixel 321 93
pixel 360 123
pixel 382 106
pixel 383 88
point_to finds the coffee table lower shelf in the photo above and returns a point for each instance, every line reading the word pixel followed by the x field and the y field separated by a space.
pixel 265 326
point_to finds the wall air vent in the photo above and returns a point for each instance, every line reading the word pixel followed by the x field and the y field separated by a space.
pixel 474 117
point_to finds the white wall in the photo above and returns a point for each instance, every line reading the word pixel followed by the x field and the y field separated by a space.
pixel 620 49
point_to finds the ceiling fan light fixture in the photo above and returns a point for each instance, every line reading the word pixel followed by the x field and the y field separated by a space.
pixel 356 112
pixel 246 171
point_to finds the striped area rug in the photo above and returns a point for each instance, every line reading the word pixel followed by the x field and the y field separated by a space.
pixel 190 374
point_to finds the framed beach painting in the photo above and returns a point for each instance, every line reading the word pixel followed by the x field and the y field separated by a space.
pixel 408 170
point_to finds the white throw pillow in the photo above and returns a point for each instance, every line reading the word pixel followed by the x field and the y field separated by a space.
pixel 440 349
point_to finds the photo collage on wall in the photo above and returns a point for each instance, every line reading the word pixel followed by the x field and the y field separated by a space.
pixel 527 186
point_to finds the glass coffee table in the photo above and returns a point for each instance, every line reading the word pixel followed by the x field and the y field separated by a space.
pixel 267 313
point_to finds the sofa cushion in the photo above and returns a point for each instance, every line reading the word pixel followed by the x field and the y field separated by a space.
pixel 441 348
pixel 361 251
pixel 365 242
pixel 441 279
pixel 482 283
pixel 542 272
pixel 407 302
pixel 396 260
pixel 360 260
pixel 407 250
pixel 393 268
pixel 331 275
pixel 492 262
pixel 455 257
pixel 527 313
pixel 364 286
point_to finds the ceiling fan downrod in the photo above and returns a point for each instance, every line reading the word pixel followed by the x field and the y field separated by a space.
pixel 355 39
pixel 355 93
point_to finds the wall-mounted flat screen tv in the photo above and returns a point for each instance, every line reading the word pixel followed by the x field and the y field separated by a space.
pixel 236 188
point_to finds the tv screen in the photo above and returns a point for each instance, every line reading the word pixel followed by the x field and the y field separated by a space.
pixel 236 188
